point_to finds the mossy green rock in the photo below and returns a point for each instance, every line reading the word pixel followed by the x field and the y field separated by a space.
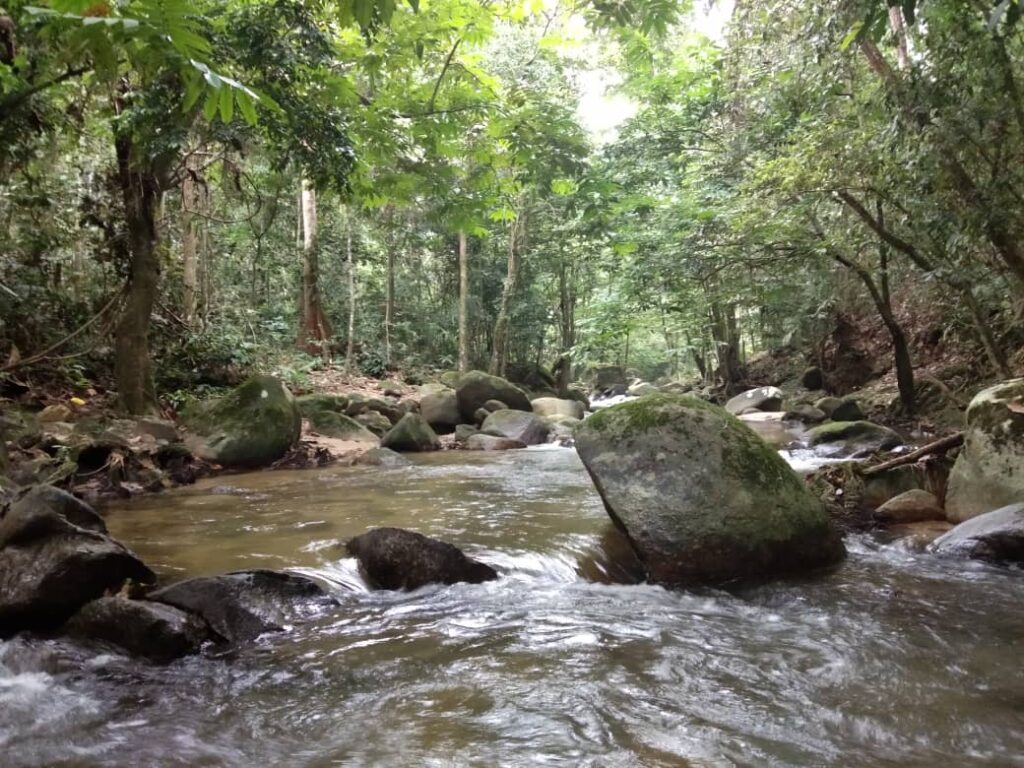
pixel 702 497
pixel 827 405
pixel 254 425
pixel 848 409
pixel 411 433
pixel 476 388
pixel 989 472
pixel 854 437
pixel 340 426
pixel 313 404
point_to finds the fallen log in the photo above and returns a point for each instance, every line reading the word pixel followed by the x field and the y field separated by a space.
pixel 939 446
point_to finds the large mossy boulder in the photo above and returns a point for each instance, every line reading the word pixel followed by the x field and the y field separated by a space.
pixel 393 558
pixel 989 472
pixel 702 497
pixel 253 426
pixel 854 438
pixel 996 536
pixel 56 556
pixel 477 387
pixel 760 399
pixel 411 433
pixel 527 428
pixel 241 606
pixel 440 408
pixel 155 631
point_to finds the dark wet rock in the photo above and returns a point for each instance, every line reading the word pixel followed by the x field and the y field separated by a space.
pixel 805 414
pixel 913 506
pixel 761 399
pixel 382 457
pixel 253 426
pixel 241 606
pixel 854 438
pixel 701 496
pixel 481 442
pixel 989 472
pixel 393 558
pixel 847 409
pixel 143 628
pixel 56 556
pixel 527 428
pixel 440 408
pixel 996 536
pixel 476 388
pixel 411 433
pixel 812 378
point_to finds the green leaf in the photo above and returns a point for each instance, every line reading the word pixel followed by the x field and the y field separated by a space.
pixel 851 36
pixel 247 108
pixel 227 105
pixel 210 106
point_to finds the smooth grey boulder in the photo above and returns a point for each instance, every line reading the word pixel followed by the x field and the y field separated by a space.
pixel 913 506
pixel 412 434
pixel 996 536
pixel 394 558
pixel 702 497
pixel 440 409
pixel 554 406
pixel 56 556
pixel 155 631
pixel 854 438
pixel 761 399
pixel 476 388
pixel 989 472
pixel 527 428
pixel 242 605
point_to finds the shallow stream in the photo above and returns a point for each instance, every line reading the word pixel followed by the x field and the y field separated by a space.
pixel 893 659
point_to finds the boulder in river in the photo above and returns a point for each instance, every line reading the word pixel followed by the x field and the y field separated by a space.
pixel 554 406
pixel 241 606
pixel 411 433
pixel 253 426
pixel 827 405
pixel 482 442
pixel 340 426
pixel 440 408
pixel 847 409
pixel 996 536
pixel 527 428
pixel 854 438
pixel 56 556
pixel 701 496
pixel 155 631
pixel 761 399
pixel 382 457
pixel 989 472
pixel 805 414
pixel 393 558
pixel 476 388
pixel 911 506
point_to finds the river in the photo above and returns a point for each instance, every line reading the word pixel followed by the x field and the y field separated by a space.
pixel 895 658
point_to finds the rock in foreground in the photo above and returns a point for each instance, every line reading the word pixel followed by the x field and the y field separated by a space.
pixel 56 556
pixel 701 497
pixel 393 558
pixel 995 536
pixel 154 631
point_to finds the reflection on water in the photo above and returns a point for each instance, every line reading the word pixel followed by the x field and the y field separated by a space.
pixel 895 659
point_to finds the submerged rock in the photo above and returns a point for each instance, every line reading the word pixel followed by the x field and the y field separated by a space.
pixel 152 630
pixel 912 506
pixel 241 606
pixel 481 442
pixel 56 556
pixel 854 437
pixel 477 387
pixel 382 457
pixel 996 536
pixel 253 426
pixel 411 433
pixel 393 558
pixel 527 428
pixel 989 472
pixel 701 497
pixel 761 399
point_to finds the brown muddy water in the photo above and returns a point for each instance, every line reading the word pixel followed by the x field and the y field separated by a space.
pixel 894 659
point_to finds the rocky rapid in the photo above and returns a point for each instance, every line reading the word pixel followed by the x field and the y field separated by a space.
pixel 890 658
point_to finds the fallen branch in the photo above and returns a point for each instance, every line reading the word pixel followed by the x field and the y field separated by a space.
pixel 939 446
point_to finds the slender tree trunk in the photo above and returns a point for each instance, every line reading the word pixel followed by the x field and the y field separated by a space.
pixel 140 190
pixel 350 262
pixel 499 348
pixel 723 330
pixel 463 304
pixel 190 239
pixel 314 331
pixel 389 303
pixel 988 341
pixel 567 330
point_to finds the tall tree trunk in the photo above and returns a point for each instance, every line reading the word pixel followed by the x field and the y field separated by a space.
pixel 389 302
pixel 567 329
pixel 463 304
pixel 190 238
pixel 499 347
pixel 314 331
pixel 140 190
pixel 724 333
pixel 350 268
pixel 988 340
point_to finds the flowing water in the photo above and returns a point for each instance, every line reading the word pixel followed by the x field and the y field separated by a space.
pixel 893 659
